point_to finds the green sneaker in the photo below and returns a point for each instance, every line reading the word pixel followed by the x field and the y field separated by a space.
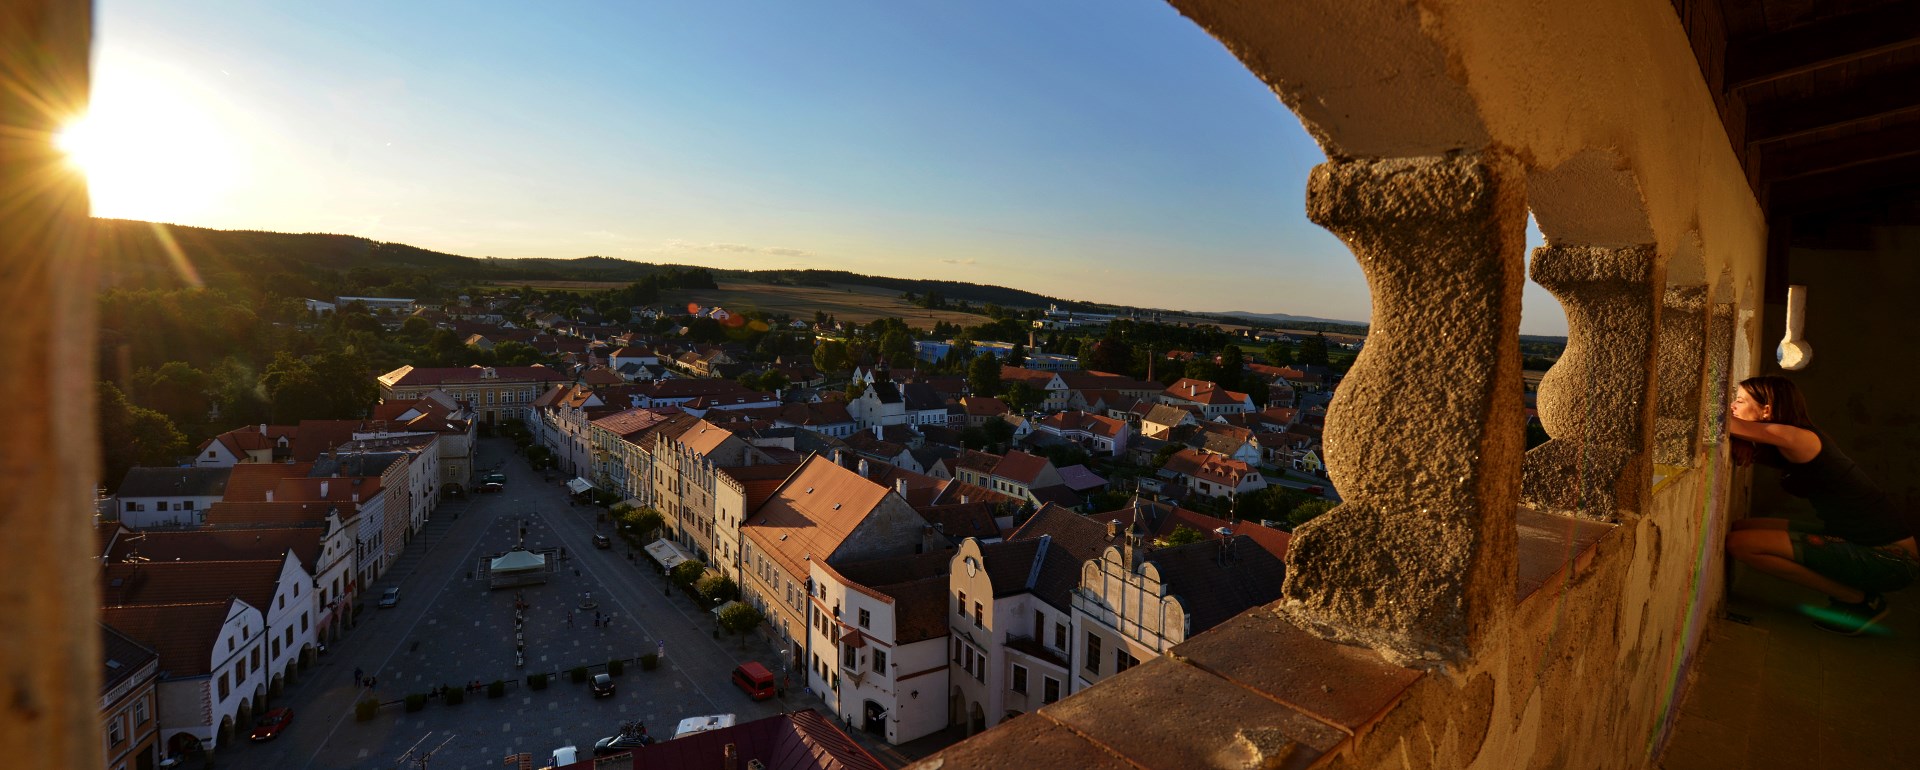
pixel 1850 618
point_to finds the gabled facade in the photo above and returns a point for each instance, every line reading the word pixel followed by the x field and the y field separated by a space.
pixel 883 647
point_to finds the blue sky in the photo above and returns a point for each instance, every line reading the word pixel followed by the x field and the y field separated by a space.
pixel 1106 151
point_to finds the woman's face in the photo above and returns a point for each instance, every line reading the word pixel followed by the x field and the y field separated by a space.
pixel 1746 408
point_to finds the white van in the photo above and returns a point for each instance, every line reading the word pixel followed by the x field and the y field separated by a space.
pixel 563 756
pixel 692 725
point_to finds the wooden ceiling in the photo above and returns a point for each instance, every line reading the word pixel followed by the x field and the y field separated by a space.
pixel 1820 98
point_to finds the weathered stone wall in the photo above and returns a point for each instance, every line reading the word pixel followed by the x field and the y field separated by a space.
pixel 49 458
pixel 1552 689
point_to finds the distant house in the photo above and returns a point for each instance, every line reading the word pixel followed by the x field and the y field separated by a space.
pixel 151 497
pixel 379 304
pixel 1209 397
pixel 1213 475
pixel 1102 435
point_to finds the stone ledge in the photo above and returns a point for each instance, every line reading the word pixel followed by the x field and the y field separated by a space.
pixel 1553 547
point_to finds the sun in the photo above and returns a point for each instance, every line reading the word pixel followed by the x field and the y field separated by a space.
pixel 152 148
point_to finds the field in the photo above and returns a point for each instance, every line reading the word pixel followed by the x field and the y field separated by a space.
pixel 844 302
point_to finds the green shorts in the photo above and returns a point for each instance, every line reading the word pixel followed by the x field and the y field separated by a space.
pixel 1875 570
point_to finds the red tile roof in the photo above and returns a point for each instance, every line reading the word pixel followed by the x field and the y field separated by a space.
pixel 317 437
pixel 282 514
pixel 812 514
pixel 1203 392
pixel 187 582
pixel 1209 467
pixel 408 376
pixel 161 545
pixel 1098 425
pixel 1020 467
pixel 182 634
pixel 759 482
pixel 797 740
pixel 250 482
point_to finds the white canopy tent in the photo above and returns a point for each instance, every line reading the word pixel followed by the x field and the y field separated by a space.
pixel 668 553
pixel 579 485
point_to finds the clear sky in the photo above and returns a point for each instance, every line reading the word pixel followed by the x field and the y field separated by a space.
pixel 1104 150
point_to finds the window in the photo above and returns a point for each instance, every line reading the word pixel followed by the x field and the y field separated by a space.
pixel 256 659
pixel 116 730
pixel 1019 678
pixel 1052 691
pixel 289 637
pixel 865 619
pixel 224 690
pixel 1093 653
pixel 140 715
pixel 978 616
pixel 847 658
pixel 1039 625
pixel 276 649
pixel 303 616
pixel 240 673
pixel 1123 661
pixel 961 605
pixel 282 600
pixel 1060 636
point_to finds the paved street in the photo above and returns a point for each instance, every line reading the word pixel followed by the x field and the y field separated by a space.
pixel 450 629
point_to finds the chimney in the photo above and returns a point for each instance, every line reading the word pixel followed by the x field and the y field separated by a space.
pixel 323 489
pixel 839 457
pixel 1113 529
pixel 862 467
pixel 730 757
pixel 900 486
pixel 269 495
pixel 1192 389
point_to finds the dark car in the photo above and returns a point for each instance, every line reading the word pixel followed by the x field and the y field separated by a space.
pixel 602 685
pixel 390 598
pixel 622 743
pixel 492 486
pixel 271 724
pixel 495 477
pixel 1316 490
pixel 602 541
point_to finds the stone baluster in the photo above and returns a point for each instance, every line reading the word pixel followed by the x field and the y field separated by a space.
pixel 1720 326
pixel 1594 402
pixel 1424 438
pixel 1682 361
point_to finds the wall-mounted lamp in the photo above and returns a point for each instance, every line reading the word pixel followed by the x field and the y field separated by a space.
pixel 1795 351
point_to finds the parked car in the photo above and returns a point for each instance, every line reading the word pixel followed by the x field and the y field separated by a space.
pixel 692 725
pixel 602 685
pixel 271 724
pixel 624 742
pixel 754 680
pixel 495 477
pixel 602 541
pixel 390 598
pixel 492 486
pixel 565 755
pixel 1316 490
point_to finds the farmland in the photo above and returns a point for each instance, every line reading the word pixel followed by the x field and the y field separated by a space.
pixel 844 302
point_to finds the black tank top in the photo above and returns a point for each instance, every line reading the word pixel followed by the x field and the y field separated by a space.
pixel 1847 501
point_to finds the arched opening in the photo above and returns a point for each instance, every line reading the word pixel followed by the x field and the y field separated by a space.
pixel 276 686
pixel 976 718
pixel 957 708
pixel 224 735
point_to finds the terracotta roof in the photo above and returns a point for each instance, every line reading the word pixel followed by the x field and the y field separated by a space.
pixel 759 482
pixel 919 608
pixel 974 459
pixel 703 437
pixel 962 520
pixel 1033 377
pixel 796 740
pixel 121 656
pixel 957 491
pixel 105 534
pixel 1203 392
pixel 1098 425
pixel 1010 565
pixel 921 396
pixel 182 635
pixel 687 387
pixel 186 582
pixel 174 482
pixel 601 376
pixel 250 482
pixel 1094 380
pixel 282 514
pixel 1209 467
pixel 985 406
pixel 921 488
pixel 1167 414
pixel 1223 439
pixel 344 491
pixel 407 376
pixel 222 545
pixel 316 437
pixel 633 421
pixel 1217 580
pixel 1020 467
pixel 1072 540
pixel 812 514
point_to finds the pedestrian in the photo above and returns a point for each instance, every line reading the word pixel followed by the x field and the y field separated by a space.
pixel 358 676
pixel 1862 547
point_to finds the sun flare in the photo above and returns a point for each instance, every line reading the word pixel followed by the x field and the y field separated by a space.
pixel 152 148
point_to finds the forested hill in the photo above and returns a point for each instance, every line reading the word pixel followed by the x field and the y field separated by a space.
pixel 137 254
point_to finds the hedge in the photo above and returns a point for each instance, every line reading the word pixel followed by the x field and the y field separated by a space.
pixel 496 689
pixel 454 695
pixel 649 662
pixel 537 681
pixel 616 667
pixel 579 674
pixel 416 701
pixel 364 710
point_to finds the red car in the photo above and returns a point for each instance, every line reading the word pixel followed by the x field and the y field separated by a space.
pixel 270 725
pixel 491 487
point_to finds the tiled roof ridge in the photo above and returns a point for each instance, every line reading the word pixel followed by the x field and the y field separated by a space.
pixel 1039 558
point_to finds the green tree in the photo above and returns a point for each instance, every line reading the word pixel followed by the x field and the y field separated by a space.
pixel 831 356
pixel 1308 510
pixel 133 435
pixel 687 573
pixel 1183 535
pixel 1233 364
pixel 1022 397
pixel 1017 356
pixel 741 619
pixel 1278 354
pixel 1166 453
pixel 999 432
pixel 716 588
pixel 176 390
pixel 983 375
pixel 294 392
pixel 896 347
pixel 1313 350
pixel 416 328
pixel 1110 355
pixel 516 353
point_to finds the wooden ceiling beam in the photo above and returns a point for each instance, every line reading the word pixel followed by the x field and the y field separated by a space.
pixel 1840 153
pixel 1875 97
pixel 1821 44
pixel 1841 187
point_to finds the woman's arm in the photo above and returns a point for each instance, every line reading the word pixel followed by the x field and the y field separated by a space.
pixel 1796 444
